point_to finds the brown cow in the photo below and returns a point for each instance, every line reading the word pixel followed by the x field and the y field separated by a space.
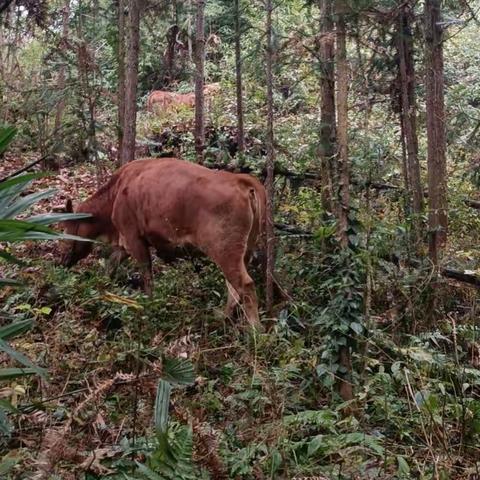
pixel 170 204
pixel 163 100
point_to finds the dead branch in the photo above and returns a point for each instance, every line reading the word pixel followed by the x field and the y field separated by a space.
pixel 26 168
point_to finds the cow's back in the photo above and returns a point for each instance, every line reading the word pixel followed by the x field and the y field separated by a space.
pixel 170 202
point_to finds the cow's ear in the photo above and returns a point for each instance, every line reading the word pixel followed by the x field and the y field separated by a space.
pixel 69 206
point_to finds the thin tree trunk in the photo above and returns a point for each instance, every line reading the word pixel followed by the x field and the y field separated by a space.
pixel 328 140
pixel 409 115
pixel 239 83
pixel 85 65
pixel 131 77
pixel 200 82
pixel 170 53
pixel 437 166
pixel 61 73
pixel 345 385
pixel 121 77
pixel 342 126
pixel 269 183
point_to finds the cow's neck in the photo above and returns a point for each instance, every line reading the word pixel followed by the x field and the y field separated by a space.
pixel 100 206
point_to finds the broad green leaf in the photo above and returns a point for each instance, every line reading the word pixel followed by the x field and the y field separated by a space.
pixel 20 179
pixel 51 218
pixel 276 461
pixel 9 373
pixel 403 467
pixel 23 203
pixel 356 327
pixel 7 134
pixel 12 230
pixel 13 329
pixel 315 444
pixel 162 403
pixel 21 358
pixel 178 370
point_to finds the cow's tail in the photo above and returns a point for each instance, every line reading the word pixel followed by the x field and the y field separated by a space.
pixel 258 207
pixel 258 238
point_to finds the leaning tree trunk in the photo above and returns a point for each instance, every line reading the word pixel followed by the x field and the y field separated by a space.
pixel 408 114
pixel 131 77
pixel 121 77
pixel 343 188
pixel 239 83
pixel 269 182
pixel 437 165
pixel 327 145
pixel 200 82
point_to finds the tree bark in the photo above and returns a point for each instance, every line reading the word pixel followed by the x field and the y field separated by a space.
pixel 200 82
pixel 239 83
pixel 408 115
pixel 172 33
pixel 342 126
pixel 345 385
pixel 131 78
pixel 86 65
pixel 437 165
pixel 269 183
pixel 61 73
pixel 121 77
pixel 328 140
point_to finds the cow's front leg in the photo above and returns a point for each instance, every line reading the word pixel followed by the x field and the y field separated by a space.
pixel 138 248
pixel 118 256
pixel 233 300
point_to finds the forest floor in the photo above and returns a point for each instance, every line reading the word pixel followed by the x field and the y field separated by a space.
pixel 259 407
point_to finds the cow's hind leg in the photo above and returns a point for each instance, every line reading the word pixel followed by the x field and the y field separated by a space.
pixel 233 267
pixel 137 247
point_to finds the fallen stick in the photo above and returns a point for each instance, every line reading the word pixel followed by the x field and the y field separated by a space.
pixel 24 169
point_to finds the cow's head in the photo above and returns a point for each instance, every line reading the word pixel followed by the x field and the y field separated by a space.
pixel 72 251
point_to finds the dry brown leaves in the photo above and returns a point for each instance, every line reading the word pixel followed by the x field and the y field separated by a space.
pixel 62 445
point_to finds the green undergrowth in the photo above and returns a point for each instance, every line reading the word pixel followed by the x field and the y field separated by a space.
pixel 267 404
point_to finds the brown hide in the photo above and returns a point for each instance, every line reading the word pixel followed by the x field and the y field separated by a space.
pixel 163 100
pixel 170 204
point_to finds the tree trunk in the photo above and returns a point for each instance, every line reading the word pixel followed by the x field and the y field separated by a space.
pixel 345 385
pixel 437 166
pixel 61 73
pixel 239 85
pixel 327 145
pixel 200 82
pixel 86 64
pixel 408 115
pixel 342 126
pixel 269 183
pixel 131 77
pixel 121 77
pixel 172 33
